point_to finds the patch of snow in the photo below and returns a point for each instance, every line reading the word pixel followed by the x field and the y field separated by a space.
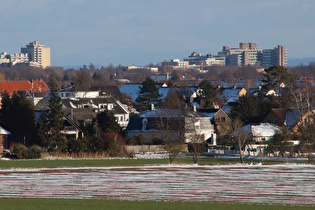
pixel 72 105
pixel 283 184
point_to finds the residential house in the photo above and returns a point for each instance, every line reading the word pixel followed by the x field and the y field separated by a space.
pixel 151 124
pixel 227 97
pixel 219 119
pixel 83 105
pixel 230 96
pixel 3 139
pixel 133 90
pixel 308 117
pixel 161 77
pixel 84 110
pixel 73 92
pixel 71 129
pixel 34 89
pixel 259 135
pixel 292 119
pixel 276 116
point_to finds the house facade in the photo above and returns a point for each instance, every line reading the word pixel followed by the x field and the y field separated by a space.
pixel 33 89
pixel 292 119
pixel 84 110
pixel 83 106
pixel 3 139
pixel 259 135
pixel 171 123
pixel 133 90
pixel 71 129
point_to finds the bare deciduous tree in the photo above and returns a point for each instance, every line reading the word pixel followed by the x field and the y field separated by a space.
pixel 238 137
pixel 168 125
pixel 196 146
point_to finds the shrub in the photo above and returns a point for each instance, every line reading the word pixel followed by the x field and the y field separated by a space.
pixel 77 146
pixel 22 152
pixel 137 140
pixel 19 150
pixel 157 141
pixel 34 152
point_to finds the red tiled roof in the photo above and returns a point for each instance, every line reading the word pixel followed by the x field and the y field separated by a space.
pixel 36 86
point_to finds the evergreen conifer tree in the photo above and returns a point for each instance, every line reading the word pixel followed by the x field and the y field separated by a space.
pixel 107 122
pixel 57 140
pixel 149 93
pixel 18 116
pixel 207 94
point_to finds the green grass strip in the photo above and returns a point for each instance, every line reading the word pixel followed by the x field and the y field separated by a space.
pixel 34 203
pixel 58 163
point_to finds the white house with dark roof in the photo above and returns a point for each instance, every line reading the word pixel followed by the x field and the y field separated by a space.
pixel 72 92
pixel 84 110
pixel 3 139
pixel 83 105
pixel 149 124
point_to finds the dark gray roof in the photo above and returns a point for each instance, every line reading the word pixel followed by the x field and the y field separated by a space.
pixel 68 102
pixel 155 117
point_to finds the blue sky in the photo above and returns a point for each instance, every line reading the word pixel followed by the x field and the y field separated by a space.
pixel 138 32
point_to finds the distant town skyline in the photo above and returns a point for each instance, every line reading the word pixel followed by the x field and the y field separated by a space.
pixel 139 32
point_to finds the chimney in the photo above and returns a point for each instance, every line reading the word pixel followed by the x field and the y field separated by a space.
pixel 71 114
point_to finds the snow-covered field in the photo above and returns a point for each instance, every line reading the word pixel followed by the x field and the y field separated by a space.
pixel 285 184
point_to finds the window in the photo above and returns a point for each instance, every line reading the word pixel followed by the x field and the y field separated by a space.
pixel 197 124
pixel 222 119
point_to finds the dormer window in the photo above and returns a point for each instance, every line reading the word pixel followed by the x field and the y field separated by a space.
pixel 144 124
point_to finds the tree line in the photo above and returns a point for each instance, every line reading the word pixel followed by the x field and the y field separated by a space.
pixel 110 73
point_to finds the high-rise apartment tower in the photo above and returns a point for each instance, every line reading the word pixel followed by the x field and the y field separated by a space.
pixel 39 54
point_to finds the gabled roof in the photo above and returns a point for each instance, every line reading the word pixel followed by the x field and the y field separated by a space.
pixel 133 90
pixel 277 113
pixel 81 114
pixel 35 86
pixel 156 115
pixel 65 118
pixel 4 131
pixel 230 94
pixel 74 88
pixel 209 112
pixel 213 113
pixel 289 118
pixel 75 102
pixel 294 118
pixel 112 91
pixel 261 130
